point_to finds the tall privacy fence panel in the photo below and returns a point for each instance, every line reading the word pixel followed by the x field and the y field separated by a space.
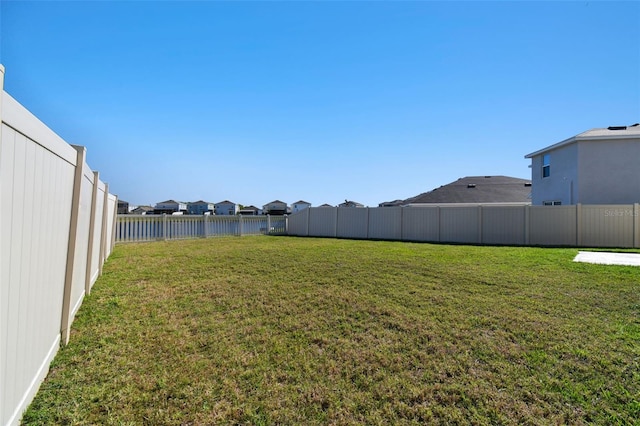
pixel 575 225
pixel 132 228
pixel 56 222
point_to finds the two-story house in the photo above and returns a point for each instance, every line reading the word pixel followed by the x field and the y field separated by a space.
pixel 299 206
pixel 170 207
pixel 599 166
pixel 200 207
pixel 276 207
pixel 123 207
pixel 250 211
pixel 226 208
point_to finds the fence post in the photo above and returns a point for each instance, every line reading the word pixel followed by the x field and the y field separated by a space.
pixel 103 231
pixel 268 230
pixel 401 223
pixel 164 226
pixel 205 223
pixel 1 95
pixel 578 225
pixel 308 220
pixel 65 322
pixel 636 225
pixel 527 228
pixel 368 222
pixel 439 223
pixel 240 224
pixel 1 89
pixel 479 224
pixel 92 226
pixel 114 220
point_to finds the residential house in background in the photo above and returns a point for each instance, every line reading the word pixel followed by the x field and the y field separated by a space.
pixel 477 190
pixel 142 210
pixel 325 205
pixel 599 166
pixel 250 211
pixel 200 207
pixel 276 207
pixel 394 203
pixel 123 207
pixel 299 206
pixel 226 208
pixel 348 203
pixel 170 207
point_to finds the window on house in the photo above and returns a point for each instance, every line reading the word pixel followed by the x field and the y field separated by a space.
pixel 552 203
pixel 546 166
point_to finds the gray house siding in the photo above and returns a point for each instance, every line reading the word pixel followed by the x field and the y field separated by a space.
pixel 609 172
pixel 562 182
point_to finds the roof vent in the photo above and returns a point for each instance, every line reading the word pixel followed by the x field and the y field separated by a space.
pixel 471 185
pixel 487 177
pixel 527 184
pixel 634 125
pixel 617 128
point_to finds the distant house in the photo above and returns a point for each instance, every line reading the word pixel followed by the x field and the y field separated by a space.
pixel 325 205
pixel 226 208
pixel 599 166
pixel 170 207
pixel 250 211
pixel 348 203
pixel 142 210
pixel 299 206
pixel 394 203
pixel 123 207
pixel 200 207
pixel 477 190
pixel 276 207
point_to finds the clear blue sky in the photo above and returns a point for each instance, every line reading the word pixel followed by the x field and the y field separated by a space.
pixel 320 101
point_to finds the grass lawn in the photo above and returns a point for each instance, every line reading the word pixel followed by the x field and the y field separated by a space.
pixel 277 330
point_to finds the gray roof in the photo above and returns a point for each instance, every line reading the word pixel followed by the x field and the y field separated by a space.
pixel 478 189
pixel 611 132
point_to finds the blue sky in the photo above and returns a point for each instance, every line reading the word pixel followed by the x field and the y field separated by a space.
pixel 319 101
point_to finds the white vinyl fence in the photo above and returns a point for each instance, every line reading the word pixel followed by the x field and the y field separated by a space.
pixel 575 225
pixel 166 227
pixel 56 223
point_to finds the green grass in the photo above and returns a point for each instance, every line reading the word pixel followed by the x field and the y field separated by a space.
pixel 277 330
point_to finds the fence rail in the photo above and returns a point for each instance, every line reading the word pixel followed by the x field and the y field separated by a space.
pixel 575 225
pixel 137 228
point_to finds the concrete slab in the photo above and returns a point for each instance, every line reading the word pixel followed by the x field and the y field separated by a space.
pixel 606 258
